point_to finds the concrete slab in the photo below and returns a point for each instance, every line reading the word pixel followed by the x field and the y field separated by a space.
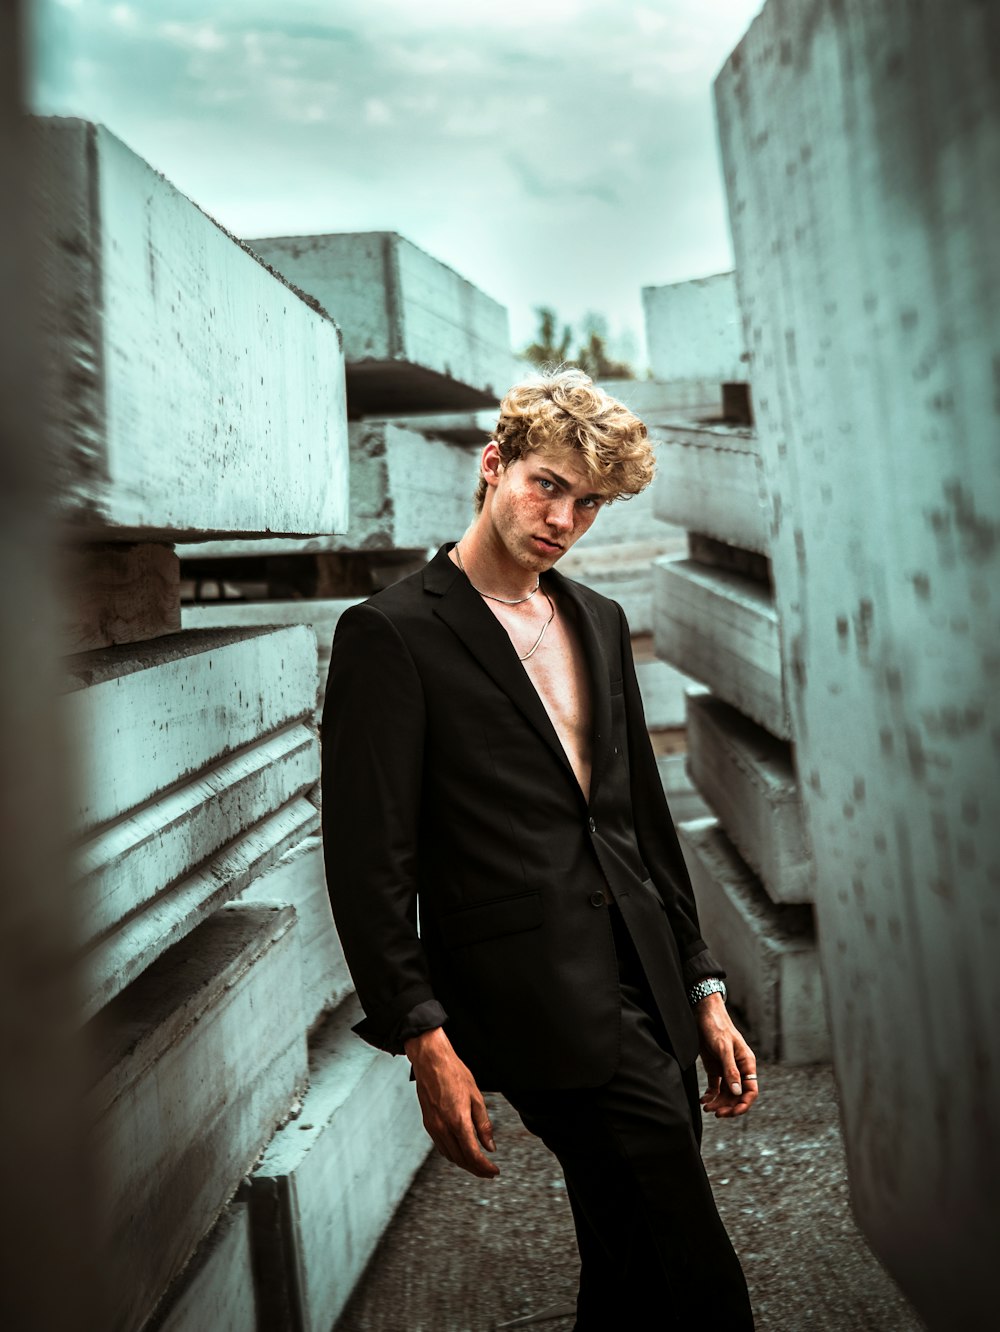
pixel 710 480
pixel 119 593
pixel 861 147
pixel 320 616
pixel 748 778
pixel 127 864
pixel 145 716
pixel 115 960
pixel 156 319
pixel 407 492
pixel 656 400
pixel 417 336
pixel 623 571
pixel 683 797
pixel 298 878
pixel 196 1063
pixel 693 330
pixel 769 952
pixel 331 1179
pixel 215 1291
pixel 662 687
pixel 467 428
pixel 721 628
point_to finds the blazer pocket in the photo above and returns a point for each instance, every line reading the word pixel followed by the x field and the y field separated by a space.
pixel 491 920
pixel 615 686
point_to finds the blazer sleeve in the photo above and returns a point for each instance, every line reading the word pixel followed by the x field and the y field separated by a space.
pixel 655 833
pixel 372 737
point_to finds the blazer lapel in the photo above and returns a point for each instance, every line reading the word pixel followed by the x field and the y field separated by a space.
pixel 462 609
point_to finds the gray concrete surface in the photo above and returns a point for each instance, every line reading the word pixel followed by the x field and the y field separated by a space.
pixel 721 628
pixel 462 1255
pixel 174 358
pixel 417 336
pixel 748 778
pixel 710 480
pixel 693 330
pixel 861 152
pixel 197 1062
pixel 769 951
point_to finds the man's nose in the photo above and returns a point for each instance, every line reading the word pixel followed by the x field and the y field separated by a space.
pixel 560 514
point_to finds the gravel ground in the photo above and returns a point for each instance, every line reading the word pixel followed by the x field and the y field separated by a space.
pixel 464 1255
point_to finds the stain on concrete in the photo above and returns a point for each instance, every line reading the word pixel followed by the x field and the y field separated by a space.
pixel 863 619
pixel 976 534
pixel 952 721
pixel 915 755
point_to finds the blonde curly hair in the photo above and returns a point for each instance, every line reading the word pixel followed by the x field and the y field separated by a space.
pixel 565 413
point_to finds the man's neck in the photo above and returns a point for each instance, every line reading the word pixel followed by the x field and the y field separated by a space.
pixel 488 564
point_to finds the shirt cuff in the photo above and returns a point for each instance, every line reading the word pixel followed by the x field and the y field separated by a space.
pixel 698 967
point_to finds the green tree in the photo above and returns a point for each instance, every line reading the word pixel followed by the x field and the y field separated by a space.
pixel 592 356
pixel 545 350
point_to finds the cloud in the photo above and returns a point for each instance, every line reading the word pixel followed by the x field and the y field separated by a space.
pixel 559 152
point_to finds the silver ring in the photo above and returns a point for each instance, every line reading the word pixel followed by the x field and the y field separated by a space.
pixel 749 1077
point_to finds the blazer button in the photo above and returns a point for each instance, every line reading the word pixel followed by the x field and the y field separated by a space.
pixel 597 899
pixel 592 825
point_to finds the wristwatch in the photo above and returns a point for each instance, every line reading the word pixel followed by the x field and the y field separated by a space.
pixel 703 988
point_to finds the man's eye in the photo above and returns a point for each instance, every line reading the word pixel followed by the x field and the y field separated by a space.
pixel 545 483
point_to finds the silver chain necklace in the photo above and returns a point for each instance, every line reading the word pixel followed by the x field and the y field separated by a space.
pixel 519 601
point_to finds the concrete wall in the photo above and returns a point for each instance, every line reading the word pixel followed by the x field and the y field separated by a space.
pixel 417 336
pixel 693 330
pixel 861 146
pixel 156 386
pixel 408 492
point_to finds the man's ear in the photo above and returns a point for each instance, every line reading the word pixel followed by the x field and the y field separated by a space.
pixel 491 464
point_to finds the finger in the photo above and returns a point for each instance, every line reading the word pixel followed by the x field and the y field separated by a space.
pixel 471 1157
pixel 483 1127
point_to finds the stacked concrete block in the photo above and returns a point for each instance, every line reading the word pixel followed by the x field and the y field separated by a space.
pixel 197 1063
pixel 693 331
pixel 861 147
pixel 712 482
pixel 298 878
pixel 215 1292
pixel 417 339
pixel 195 756
pixel 156 389
pixel 417 336
pixel 769 952
pixel 715 619
pixel 721 628
pixel 329 1182
pixel 747 776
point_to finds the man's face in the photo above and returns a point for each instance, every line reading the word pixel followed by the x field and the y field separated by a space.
pixel 540 505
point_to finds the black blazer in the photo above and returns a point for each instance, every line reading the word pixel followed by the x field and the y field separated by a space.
pixel 445 784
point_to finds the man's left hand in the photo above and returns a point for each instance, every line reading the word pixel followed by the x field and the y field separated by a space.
pixel 729 1062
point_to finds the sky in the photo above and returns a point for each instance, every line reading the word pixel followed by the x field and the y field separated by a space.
pixel 554 152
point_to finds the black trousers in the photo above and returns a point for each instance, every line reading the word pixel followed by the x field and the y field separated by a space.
pixel 653 1250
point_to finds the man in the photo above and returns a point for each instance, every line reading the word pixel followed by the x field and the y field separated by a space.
pixel 485 754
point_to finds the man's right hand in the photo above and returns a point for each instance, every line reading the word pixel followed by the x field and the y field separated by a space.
pixel 453 1107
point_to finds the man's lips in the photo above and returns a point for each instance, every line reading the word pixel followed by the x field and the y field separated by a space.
pixel 552 545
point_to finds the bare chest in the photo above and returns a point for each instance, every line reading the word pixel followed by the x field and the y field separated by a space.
pixel 558 670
